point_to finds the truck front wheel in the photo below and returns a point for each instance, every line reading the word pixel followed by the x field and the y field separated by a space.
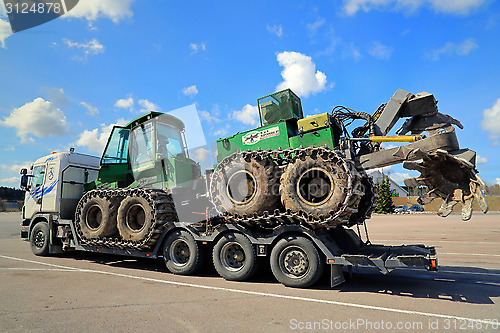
pixel 234 257
pixel 39 239
pixel 181 253
pixel 295 262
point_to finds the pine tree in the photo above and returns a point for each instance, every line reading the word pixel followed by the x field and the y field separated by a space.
pixel 384 201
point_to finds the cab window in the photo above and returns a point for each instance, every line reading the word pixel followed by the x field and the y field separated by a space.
pixel 116 150
pixel 38 175
pixel 141 150
pixel 169 141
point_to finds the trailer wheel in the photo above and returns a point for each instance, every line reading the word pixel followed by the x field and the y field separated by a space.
pixel 234 257
pixel 246 186
pixel 98 218
pixel 181 253
pixel 135 218
pixel 295 262
pixel 39 239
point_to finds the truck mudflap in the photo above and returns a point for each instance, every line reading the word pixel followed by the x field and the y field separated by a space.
pixel 385 259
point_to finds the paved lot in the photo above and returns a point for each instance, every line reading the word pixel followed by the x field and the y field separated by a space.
pixel 90 293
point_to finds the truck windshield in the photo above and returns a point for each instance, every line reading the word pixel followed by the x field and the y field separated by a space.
pixel 38 175
pixel 169 140
pixel 116 150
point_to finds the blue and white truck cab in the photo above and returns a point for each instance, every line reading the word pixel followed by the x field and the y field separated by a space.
pixel 53 185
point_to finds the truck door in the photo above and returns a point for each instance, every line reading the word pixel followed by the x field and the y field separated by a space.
pixel 49 192
pixel 33 203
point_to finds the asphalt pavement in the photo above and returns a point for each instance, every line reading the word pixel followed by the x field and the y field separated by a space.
pixel 93 292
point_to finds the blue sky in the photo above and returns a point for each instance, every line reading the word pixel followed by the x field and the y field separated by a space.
pixel 65 83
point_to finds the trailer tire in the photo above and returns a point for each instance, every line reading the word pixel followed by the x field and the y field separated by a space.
pixel 295 262
pixel 98 218
pixel 234 257
pixel 246 186
pixel 181 253
pixel 39 239
pixel 135 218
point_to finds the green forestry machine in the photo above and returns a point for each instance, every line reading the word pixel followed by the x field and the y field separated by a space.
pixel 311 171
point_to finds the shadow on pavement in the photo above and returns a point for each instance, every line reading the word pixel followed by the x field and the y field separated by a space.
pixel 478 288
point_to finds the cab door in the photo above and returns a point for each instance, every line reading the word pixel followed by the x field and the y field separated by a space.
pixel 35 195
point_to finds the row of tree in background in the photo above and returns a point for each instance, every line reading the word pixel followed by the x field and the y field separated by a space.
pixel 7 193
pixel 10 198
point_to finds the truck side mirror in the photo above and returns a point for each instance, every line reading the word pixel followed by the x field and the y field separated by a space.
pixel 24 179
pixel 24 182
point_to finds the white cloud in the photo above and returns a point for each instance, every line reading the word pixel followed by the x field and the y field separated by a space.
pixel 481 160
pixel 249 115
pixel 40 118
pixel 461 7
pixel 491 121
pixel 56 96
pixel 497 181
pixel 15 167
pixel 125 103
pixel 351 52
pixel 91 10
pixel 148 106
pixel 195 48
pixel 91 110
pixel 380 51
pixel 212 116
pixel 313 27
pixel 461 49
pixel 95 140
pixel 89 48
pixel 190 91
pixel 221 132
pixel 5 32
pixel 11 180
pixel 399 177
pixel 300 74
pixel 458 7
pixel 275 29
pixel 3 12
pixel 208 116
pixel 201 154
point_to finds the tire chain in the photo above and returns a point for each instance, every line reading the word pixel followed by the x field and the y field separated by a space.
pixel 279 217
pixel 159 201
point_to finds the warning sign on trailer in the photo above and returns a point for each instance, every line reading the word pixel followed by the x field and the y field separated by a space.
pixel 253 137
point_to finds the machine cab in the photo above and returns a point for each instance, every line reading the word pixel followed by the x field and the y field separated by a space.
pixel 150 151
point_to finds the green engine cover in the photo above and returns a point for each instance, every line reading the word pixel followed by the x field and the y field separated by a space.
pixel 273 137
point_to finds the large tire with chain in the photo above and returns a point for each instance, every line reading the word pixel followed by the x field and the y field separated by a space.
pixel 245 186
pixel 98 217
pixel 135 218
pixel 148 211
pixel 319 185
pixel 296 262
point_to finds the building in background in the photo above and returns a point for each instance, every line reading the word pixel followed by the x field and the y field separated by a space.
pixel 397 190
